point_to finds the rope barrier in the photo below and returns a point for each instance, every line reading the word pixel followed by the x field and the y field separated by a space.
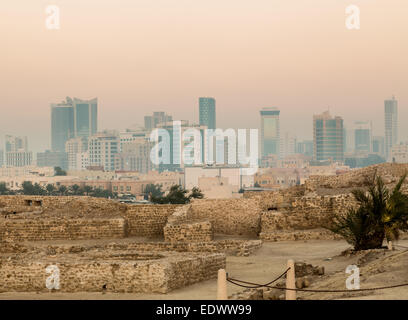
pixel 268 285
pixel 255 285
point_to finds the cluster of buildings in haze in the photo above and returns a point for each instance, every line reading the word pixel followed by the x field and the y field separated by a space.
pixel 121 160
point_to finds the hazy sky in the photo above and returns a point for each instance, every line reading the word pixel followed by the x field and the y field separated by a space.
pixel 137 56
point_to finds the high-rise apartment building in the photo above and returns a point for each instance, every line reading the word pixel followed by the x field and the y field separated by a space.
pixel 207 115
pixel 103 149
pixel 270 132
pixel 391 124
pixel 363 136
pixel 19 158
pixel 17 154
pixel 328 137
pixel 76 149
pixel 72 118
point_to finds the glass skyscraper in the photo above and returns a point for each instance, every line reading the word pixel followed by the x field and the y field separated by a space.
pixel 270 131
pixel 72 118
pixel 207 112
pixel 328 137
pixel 85 116
pixel 62 124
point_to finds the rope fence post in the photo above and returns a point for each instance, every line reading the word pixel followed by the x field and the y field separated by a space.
pixel 222 285
pixel 291 281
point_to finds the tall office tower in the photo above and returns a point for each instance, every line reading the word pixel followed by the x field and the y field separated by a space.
pixel 103 149
pixel 62 124
pixel 391 124
pixel 1 158
pixel 151 122
pixel 207 112
pixel 328 137
pixel 363 136
pixel 14 144
pixel 85 117
pixel 75 149
pixel 72 118
pixel 379 146
pixel 270 132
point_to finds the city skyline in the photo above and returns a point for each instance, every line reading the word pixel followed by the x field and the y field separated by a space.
pixel 152 61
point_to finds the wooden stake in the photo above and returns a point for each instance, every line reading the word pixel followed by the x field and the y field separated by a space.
pixel 291 281
pixel 222 285
pixel 390 245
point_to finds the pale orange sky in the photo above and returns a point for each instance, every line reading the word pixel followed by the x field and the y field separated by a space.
pixel 137 56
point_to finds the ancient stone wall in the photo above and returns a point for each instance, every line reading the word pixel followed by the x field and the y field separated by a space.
pixel 113 272
pixel 229 216
pixel 197 231
pixel 148 220
pixel 37 229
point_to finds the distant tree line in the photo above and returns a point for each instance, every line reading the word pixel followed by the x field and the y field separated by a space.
pixel 28 188
pixel 154 193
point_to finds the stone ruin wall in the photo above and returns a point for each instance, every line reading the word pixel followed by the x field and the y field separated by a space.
pixel 229 216
pixel 182 226
pixel 62 229
pixel 148 220
pixel 75 218
pixel 156 274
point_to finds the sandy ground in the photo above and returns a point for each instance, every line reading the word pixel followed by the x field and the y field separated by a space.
pixel 270 261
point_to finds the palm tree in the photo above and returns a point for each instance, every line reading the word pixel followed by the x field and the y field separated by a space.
pixel 381 213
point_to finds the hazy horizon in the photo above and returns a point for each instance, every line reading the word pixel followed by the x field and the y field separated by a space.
pixel 142 56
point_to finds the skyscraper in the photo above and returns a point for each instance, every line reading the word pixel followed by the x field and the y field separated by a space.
pixel 207 112
pixel 85 117
pixel 72 118
pixel 391 124
pixel 328 137
pixel 270 131
pixel 62 124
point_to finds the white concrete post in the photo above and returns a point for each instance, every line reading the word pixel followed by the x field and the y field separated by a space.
pixel 222 285
pixel 291 281
pixel 390 245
